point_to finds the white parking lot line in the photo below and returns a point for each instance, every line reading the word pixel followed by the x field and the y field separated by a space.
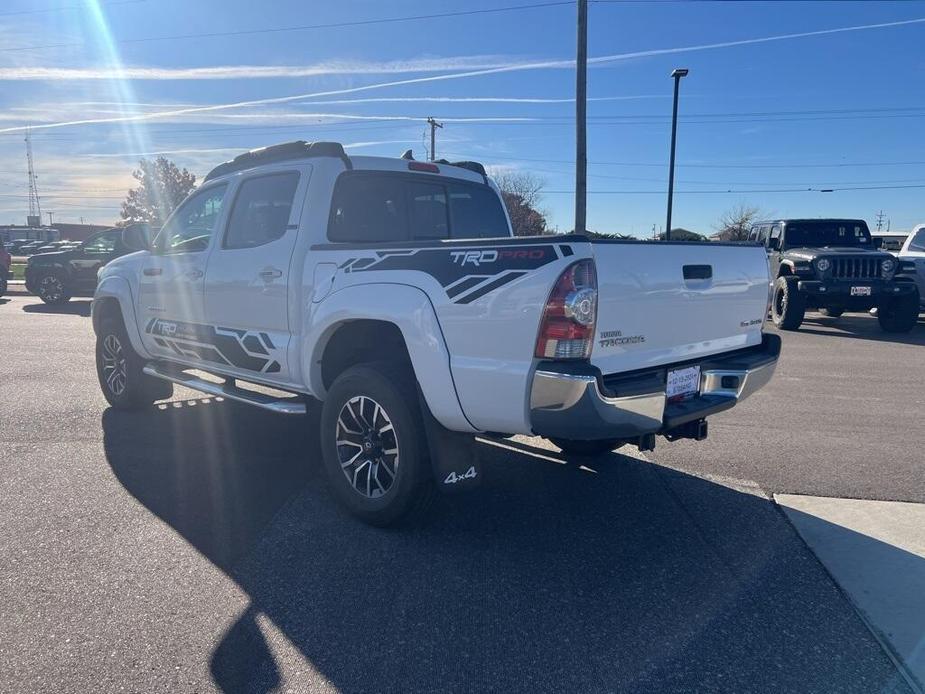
pixel 875 550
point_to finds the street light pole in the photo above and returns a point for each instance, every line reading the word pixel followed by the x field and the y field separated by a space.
pixel 581 106
pixel 677 74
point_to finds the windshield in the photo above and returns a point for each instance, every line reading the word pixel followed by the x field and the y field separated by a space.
pixel 827 233
pixel 918 241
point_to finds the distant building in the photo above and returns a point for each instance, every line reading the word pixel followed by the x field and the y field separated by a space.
pixel 58 232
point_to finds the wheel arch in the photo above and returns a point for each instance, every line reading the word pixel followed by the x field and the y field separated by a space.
pixel 114 297
pixel 390 321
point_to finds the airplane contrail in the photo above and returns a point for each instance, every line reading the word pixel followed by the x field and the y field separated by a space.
pixel 541 65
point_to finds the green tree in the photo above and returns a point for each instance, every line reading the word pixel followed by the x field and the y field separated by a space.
pixel 162 186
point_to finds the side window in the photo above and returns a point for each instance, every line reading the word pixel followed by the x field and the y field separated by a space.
pixel 775 231
pixel 190 227
pixel 104 243
pixel 427 211
pixel 918 241
pixel 261 210
pixel 475 212
pixel 753 234
pixel 368 208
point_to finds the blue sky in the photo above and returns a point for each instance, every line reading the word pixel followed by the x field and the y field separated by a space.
pixel 759 118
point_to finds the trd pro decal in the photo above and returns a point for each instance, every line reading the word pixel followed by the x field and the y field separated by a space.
pixel 466 274
pixel 240 348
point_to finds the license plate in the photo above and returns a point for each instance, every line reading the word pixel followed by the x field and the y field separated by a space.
pixel 683 383
pixel 860 291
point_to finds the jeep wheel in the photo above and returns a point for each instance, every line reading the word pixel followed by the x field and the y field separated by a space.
pixel 788 306
pixel 52 291
pixel 119 370
pixel 373 444
pixel 831 312
pixel 900 314
pixel 586 449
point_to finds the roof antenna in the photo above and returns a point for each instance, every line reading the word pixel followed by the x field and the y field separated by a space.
pixel 408 155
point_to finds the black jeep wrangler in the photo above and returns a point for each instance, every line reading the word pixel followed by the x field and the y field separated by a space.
pixel 834 266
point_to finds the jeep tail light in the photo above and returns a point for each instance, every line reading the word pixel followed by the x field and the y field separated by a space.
pixel 567 328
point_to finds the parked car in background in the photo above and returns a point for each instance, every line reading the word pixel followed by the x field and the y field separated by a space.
pixel 58 275
pixel 833 265
pixel 913 253
pixel 15 247
pixel 6 261
pixel 30 247
pixel 890 241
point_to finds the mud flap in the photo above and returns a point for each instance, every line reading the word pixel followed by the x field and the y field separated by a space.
pixel 453 456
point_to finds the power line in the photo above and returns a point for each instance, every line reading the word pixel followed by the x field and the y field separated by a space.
pixel 731 191
pixel 311 27
pixel 65 8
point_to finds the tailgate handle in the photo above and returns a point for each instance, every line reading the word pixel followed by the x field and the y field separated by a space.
pixel 698 272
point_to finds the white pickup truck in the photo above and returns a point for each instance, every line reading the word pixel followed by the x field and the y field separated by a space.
pixel 393 291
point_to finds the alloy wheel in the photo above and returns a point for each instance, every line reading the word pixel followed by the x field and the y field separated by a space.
pixel 114 365
pixel 51 289
pixel 367 447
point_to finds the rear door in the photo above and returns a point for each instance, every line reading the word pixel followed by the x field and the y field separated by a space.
pixel 170 297
pixel 248 278
pixel 661 303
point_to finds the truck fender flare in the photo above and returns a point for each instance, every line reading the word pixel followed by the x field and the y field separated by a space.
pixel 118 288
pixel 788 264
pixel 410 310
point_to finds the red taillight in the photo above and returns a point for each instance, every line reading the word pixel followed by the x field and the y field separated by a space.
pixel 567 328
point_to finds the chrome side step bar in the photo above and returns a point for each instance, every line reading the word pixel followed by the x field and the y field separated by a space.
pixel 228 390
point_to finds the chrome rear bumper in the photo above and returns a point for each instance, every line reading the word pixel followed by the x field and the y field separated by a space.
pixel 578 404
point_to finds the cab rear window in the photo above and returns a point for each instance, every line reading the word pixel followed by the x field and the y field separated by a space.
pixel 376 207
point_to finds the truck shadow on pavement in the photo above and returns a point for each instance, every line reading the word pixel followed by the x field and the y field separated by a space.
pixel 613 576
pixel 862 327
pixel 71 308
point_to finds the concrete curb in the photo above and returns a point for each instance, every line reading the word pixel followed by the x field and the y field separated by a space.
pixel 17 288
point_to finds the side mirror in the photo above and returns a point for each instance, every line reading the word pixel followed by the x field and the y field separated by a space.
pixel 878 242
pixel 773 244
pixel 135 238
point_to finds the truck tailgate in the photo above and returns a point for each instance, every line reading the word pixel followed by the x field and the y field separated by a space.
pixel 661 303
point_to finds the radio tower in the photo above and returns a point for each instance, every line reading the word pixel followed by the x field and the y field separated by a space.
pixel 34 219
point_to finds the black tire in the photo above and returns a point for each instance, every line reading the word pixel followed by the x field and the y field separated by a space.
pixel 52 289
pixel 361 481
pixel 3 285
pixel 119 370
pixel 788 306
pixel 587 449
pixel 899 315
pixel 832 312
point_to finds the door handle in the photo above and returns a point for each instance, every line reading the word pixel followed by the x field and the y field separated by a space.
pixel 152 271
pixel 194 274
pixel 270 274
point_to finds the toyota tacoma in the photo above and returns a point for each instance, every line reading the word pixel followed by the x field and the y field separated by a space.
pixel 393 292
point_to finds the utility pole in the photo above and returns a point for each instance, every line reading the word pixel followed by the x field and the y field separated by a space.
pixel 581 120
pixel 678 73
pixel 880 220
pixel 433 129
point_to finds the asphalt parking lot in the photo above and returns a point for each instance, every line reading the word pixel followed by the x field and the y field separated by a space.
pixel 193 547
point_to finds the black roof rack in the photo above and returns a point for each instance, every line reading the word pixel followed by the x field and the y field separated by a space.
pixel 283 152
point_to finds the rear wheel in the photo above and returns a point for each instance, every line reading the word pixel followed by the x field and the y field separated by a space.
pixel 119 370
pixel 373 444
pixel 899 315
pixel 831 312
pixel 586 448
pixel 788 306
pixel 52 290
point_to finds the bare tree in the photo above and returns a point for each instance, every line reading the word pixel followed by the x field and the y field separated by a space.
pixel 735 223
pixel 522 193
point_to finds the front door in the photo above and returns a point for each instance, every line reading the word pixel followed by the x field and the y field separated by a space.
pixel 170 301
pixel 247 281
